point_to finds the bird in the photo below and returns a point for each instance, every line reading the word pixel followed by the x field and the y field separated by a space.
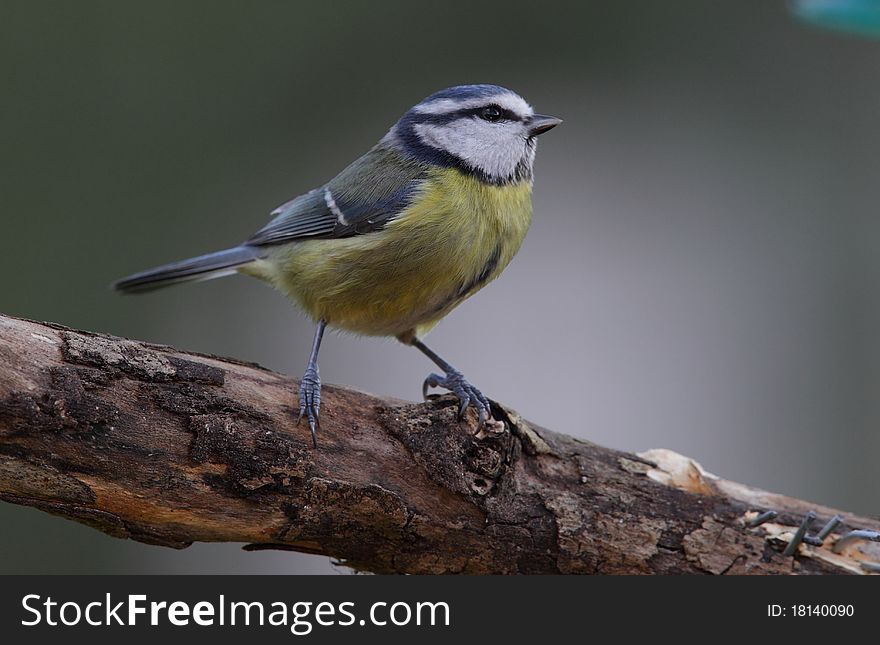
pixel 407 232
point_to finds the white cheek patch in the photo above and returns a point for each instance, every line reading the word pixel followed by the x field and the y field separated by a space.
pixel 494 148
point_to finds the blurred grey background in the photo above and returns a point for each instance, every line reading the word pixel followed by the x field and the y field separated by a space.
pixel 702 273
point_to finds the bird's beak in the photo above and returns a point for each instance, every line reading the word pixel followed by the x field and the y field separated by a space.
pixel 540 123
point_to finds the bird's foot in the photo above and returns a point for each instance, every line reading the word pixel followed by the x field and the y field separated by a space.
pixel 467 394
pixel 310 400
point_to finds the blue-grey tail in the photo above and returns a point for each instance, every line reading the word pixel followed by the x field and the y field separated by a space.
pixel 204 267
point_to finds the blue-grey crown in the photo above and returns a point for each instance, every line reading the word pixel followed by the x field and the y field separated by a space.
pixel 465 92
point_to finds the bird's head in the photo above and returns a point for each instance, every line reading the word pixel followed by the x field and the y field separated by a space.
pixel 484 130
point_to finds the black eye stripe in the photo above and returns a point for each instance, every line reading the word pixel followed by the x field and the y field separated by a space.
pixel 505 115
pixel 448 117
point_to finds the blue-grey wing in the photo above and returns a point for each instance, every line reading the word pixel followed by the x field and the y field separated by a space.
pixel 362 199
pixel 303 216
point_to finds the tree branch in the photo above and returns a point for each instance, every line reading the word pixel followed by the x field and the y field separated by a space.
pixel 168 447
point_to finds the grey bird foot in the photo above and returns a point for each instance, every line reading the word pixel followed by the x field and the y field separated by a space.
pixel 310 400
pixel 467 394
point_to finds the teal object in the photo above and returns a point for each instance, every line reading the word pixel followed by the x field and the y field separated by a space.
pixel 860 17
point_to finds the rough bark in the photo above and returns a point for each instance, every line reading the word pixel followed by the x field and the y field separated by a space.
pixel 168 447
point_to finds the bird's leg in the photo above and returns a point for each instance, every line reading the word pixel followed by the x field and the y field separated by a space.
pixel 455 382
pixel 310 386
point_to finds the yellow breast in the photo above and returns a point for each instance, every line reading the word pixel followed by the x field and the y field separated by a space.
pixel 458 235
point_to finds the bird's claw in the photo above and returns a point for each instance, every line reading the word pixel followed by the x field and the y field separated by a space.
pixel 310 400
pixel 467 394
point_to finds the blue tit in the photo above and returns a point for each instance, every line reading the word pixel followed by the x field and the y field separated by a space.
pixel 425 219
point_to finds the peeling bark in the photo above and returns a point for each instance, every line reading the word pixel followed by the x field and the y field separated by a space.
pixel 167 447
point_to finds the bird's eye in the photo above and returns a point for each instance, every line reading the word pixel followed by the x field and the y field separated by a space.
pixel 491 113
